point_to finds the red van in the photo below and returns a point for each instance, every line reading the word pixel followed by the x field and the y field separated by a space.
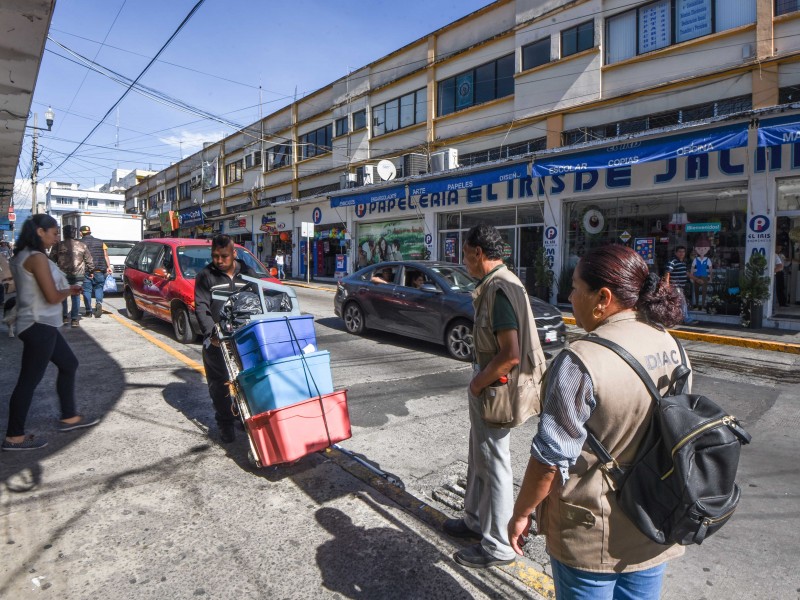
pixel 159 280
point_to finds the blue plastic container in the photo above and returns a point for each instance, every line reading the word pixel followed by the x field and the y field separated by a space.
pixel 272 385
pixel 269 339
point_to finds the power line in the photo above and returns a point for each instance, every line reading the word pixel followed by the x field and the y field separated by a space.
pixel 195 8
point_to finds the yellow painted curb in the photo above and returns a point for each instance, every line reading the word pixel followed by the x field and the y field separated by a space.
pixel 728 340
pixel 520 569
pixel 309 286
pixel 165 347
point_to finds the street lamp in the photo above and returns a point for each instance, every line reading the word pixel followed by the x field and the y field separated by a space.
pixel 49 116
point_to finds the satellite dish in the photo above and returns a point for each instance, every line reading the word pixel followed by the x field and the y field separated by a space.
pixel 386 170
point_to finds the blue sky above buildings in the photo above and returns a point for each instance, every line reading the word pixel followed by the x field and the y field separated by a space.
pixel 216 63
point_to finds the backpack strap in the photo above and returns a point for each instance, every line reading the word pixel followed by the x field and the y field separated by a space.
pixel 632 362
pixel 607 462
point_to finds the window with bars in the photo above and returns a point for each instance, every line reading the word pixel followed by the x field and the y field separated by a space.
pixel 316 142
pixel 484 156
pixel 487 82
pixel 699 112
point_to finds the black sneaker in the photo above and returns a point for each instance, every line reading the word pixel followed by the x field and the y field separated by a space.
pixel 82 423
pixel 65 319
pixel 458 528
pixel 477 558
pixel 226 432
pixel 29 443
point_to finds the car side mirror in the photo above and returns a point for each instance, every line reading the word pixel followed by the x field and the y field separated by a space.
pixel 161 272
pixel 429 287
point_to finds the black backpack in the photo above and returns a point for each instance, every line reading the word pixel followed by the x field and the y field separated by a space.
pixel 680 488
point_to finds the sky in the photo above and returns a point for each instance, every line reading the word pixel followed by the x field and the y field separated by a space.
pixel 232 59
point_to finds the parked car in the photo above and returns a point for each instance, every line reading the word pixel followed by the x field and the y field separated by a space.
pixel 385 297
pixel 159 280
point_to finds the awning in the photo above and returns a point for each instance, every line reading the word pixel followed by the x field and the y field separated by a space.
pixel 469 180
pixel 388 193
pixel 639 151
pixel 778 131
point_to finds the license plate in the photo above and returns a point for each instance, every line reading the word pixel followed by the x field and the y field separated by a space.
pixel 550 336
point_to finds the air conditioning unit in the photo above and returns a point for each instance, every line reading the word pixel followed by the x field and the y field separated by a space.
pixel 415 164
pixel 347 181
pixel 444 160
pixel 368 177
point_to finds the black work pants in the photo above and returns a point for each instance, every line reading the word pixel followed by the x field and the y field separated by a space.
pixel 217 378
pixel 42 344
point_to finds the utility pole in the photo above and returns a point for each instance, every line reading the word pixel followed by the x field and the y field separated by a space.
pixel 34 167
pixel 49 115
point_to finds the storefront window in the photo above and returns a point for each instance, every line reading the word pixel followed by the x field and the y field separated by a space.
pixel 654 226
pixel 521 229
pixel 329 241
pixel 390 240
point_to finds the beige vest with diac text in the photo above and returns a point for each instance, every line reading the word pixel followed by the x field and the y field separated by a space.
pixel 584 525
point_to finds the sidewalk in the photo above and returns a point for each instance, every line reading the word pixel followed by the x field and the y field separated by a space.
pixel 147 505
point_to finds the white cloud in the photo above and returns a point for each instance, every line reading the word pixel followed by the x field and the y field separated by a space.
pixel 190 142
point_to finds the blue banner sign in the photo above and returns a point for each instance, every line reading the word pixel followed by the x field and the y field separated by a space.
pixel 382 195
pixel 191 217
pixel 472 180
pixel 775 132
pixel 640 151
pixel 703 227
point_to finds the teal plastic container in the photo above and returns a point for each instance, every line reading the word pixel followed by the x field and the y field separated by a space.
pixel 284 382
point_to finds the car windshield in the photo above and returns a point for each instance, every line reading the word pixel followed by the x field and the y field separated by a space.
pixel 119 248
pixel 193 258
pixel 457 278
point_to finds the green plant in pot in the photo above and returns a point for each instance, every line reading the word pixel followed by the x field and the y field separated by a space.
pixel 754 291
pixel 543 275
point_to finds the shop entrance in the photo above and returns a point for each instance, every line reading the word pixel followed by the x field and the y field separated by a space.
pixel 521 228
pixel 787 246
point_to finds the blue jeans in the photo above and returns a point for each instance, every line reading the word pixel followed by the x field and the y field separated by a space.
pixel 76 302
pixel 281 274
pixel 574 584
pixel 93 285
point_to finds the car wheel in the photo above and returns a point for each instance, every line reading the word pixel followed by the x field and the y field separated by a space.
pixel 354 318
pixel 134 312
pixel 458 340
pixel 182 325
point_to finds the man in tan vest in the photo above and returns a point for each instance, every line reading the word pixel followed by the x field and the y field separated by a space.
pixel 504 392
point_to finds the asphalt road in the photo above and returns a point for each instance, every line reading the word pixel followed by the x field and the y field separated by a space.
pixel 161 483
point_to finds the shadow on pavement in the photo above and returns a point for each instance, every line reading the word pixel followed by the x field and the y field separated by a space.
pixel 99 386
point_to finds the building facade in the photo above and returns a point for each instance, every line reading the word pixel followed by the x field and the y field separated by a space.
pixel 68 197
pixel 565 124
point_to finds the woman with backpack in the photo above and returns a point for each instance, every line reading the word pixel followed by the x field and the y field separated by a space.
pixel 41 287
pixel 595 549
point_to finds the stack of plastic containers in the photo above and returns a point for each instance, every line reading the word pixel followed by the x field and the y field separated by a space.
pixel 288 388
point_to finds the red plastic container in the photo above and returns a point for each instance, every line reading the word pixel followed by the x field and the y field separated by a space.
pixel 286 434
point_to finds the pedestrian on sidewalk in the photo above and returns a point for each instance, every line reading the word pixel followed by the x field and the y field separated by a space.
pixel 596 551
pixel 41 287
pixel 279 262
pixel 678 273
pixel 223 273
pixel 75 260
pixel 95 278
pixel 503 393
